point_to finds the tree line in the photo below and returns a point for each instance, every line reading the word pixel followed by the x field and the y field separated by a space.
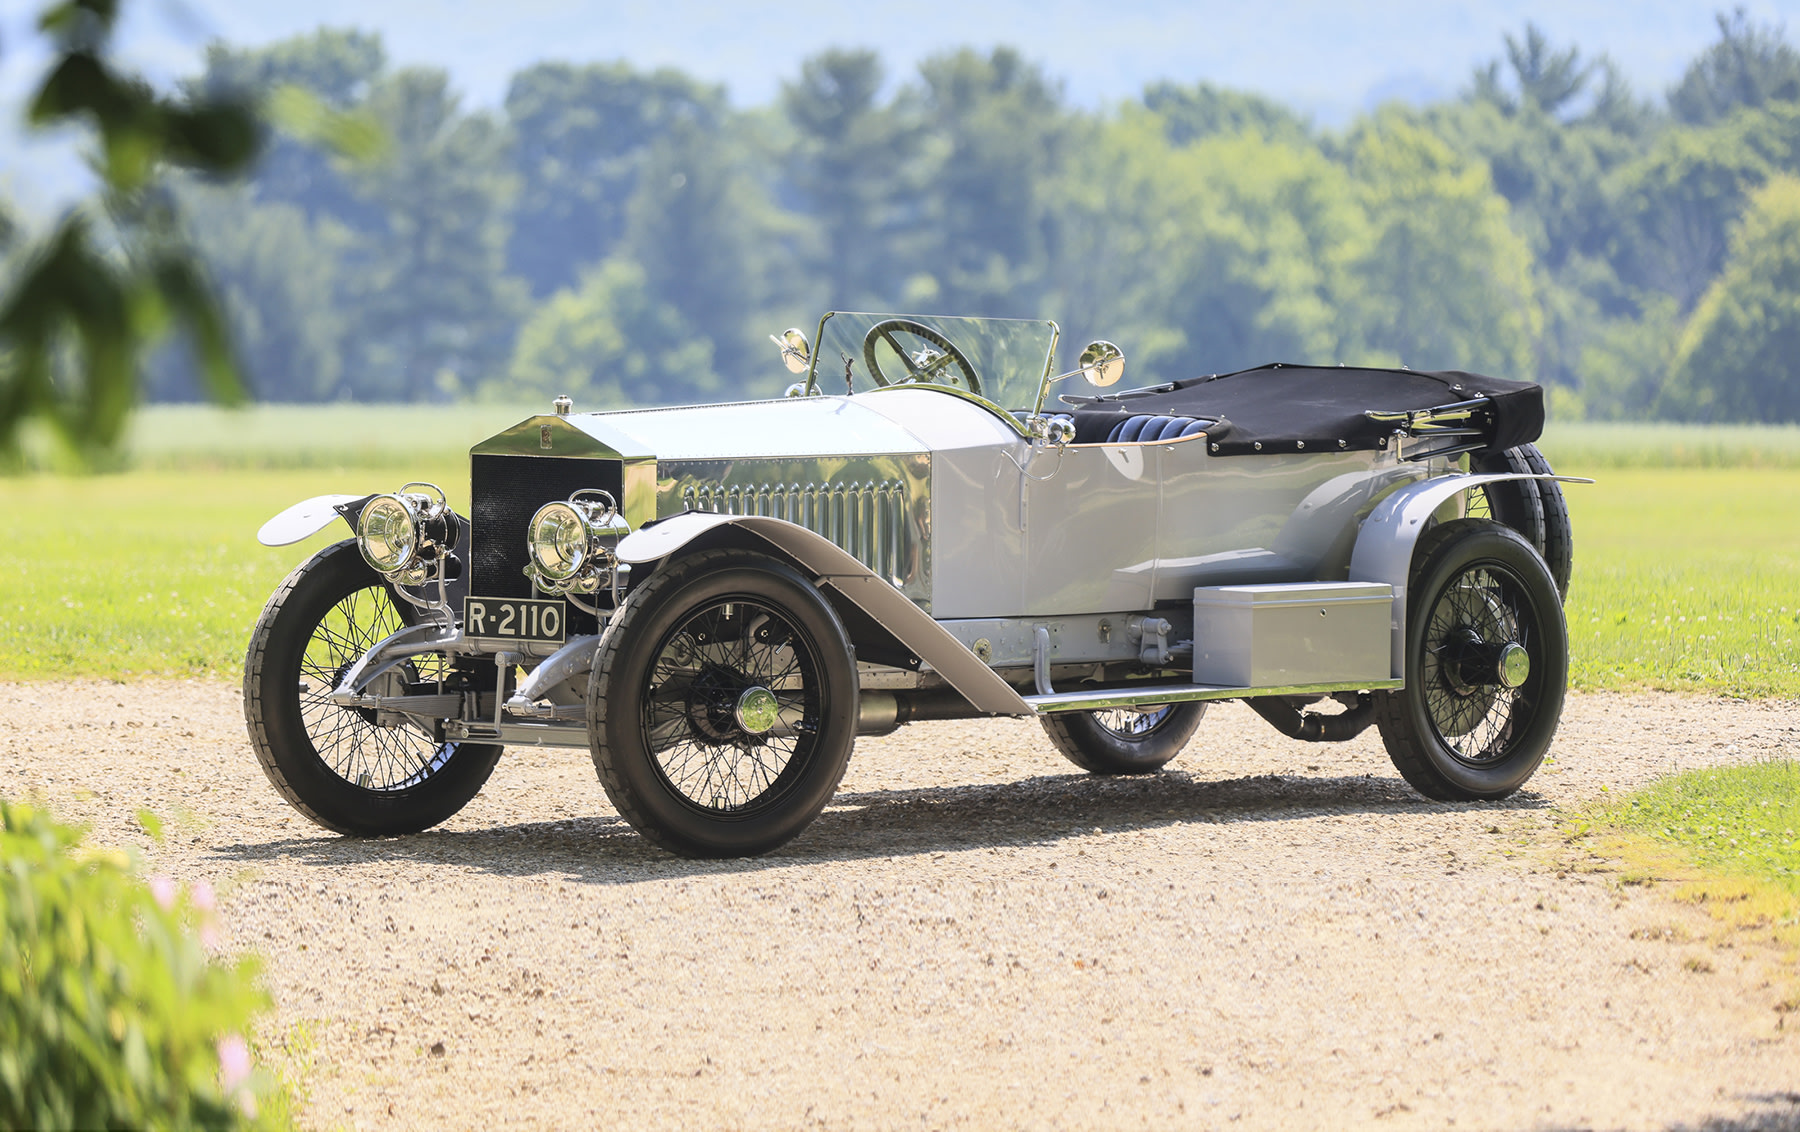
pixel 628 236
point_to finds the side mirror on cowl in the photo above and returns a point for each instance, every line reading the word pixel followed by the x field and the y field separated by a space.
pixel 796 352
pixel 1102 363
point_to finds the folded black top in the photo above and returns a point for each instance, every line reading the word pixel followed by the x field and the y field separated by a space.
pixel 1293 408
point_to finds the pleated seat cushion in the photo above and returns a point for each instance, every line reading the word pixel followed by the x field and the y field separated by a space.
pixel 1144 428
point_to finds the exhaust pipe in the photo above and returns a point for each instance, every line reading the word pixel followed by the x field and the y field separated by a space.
pixel 1312 726
pixel 880 713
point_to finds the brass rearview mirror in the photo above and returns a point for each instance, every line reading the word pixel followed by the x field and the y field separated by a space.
pixel 1102 363
pixel 796 353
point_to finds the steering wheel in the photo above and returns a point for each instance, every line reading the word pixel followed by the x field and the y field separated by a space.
pixel 937 362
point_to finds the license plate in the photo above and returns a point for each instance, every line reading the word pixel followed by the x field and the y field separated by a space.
pixel 515 619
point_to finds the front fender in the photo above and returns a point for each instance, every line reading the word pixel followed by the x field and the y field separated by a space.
pixel 825 562
pixel 1384 543
pixel 310 516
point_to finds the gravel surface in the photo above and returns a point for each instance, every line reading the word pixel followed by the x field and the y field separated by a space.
pixel 1269 935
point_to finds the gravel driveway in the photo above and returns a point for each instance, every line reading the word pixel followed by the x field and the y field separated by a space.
pixel 1270 935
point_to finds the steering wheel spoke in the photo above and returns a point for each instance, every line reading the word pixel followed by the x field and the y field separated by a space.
pixel 950 366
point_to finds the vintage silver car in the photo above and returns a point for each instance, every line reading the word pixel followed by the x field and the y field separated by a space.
pixel 717 600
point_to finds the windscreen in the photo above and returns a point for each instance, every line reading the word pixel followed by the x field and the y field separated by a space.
pixel 1002 360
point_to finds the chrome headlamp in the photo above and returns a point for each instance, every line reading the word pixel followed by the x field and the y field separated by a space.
pixel 571 542
pixel 405 535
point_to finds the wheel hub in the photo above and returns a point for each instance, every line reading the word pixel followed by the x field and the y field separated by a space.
pixel 1513 666
pixel 1474 664
pixel 726 707
pixel 757 710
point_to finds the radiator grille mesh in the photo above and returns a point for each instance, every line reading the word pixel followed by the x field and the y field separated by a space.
pixel 506 492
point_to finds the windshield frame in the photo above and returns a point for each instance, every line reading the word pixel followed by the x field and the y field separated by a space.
pixel 1042 378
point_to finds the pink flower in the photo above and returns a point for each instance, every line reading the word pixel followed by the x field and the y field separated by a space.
pixel 202 892
pixel 163 889
pixel 234 1061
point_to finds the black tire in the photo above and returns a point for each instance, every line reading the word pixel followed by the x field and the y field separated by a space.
pixel 665 715
pixel 337 765
pixel 1123 741
pixel 1559 532
pixel 1517 503
pixel 1457 731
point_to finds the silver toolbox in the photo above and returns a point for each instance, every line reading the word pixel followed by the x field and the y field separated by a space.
pixel 1268 636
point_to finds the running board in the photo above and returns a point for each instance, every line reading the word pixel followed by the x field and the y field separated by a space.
pixel 1106 698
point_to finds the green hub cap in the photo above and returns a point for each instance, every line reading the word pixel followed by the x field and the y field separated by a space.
pixel 758 710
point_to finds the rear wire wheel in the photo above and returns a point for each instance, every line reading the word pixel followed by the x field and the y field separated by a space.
pixel 722 706
pixel 1486 665
pixel 1124 740
pixel 349 769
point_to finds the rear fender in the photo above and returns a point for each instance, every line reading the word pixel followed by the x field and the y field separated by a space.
pixel 827 564
pixel 1385 541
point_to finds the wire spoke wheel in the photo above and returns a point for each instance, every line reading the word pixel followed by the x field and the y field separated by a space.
pixel 1133 723
pixel 703 671
pixel 356 770
pixel 356 743
pixel 1134 740
pixel 1472 710
pixel 1486 664
pixel 722 706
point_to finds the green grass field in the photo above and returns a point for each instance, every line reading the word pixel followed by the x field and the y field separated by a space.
pixel 276 437
pixel 1743 820
pixel 1687 567
pixel 1728 842
pixel 1687 578
pixel 1586 448
pixel 153 573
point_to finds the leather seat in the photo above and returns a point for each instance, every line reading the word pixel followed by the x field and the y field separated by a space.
pixel 1144 429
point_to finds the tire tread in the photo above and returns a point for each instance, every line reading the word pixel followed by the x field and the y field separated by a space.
pixel 644 601
pixel 1407 746
pixel 472 764
pixel 1080 738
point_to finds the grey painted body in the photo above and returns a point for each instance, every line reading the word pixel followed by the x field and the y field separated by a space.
pixel 943 497
pixel 986 552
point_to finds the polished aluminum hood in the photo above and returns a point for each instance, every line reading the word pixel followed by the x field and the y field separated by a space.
pixel 894 421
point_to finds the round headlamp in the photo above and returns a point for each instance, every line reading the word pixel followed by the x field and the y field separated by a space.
pixel 571 541
pixel 560 545
pixel 388 532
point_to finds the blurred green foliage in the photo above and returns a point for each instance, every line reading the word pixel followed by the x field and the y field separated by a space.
pixel 1736 360
pixel 629 236
pixel 85 304
pixel 112 1014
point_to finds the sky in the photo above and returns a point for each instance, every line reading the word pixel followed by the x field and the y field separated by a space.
pixel 1329 60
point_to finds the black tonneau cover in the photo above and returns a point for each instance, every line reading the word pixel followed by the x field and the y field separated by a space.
pixel 1289 408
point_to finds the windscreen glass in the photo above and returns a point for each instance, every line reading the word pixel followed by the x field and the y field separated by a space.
pixel 1002 360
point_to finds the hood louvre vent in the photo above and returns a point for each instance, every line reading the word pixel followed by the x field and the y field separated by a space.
pixel 866 520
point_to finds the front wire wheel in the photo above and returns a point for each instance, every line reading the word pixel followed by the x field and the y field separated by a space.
pixel 733 702
pixel 1486 665
pixel 351 770
pixel 722 705
pixel 1124 740
pixel 348 740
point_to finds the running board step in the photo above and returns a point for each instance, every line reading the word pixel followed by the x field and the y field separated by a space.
pixel 1106 698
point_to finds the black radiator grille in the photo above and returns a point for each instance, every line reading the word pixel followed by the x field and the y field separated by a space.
pixel 506 492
